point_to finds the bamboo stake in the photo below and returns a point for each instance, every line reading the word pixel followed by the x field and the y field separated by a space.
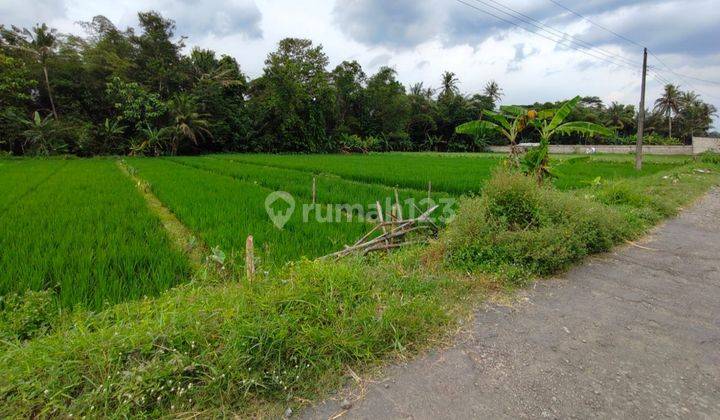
pixel 429 191
pixel 249 258
pixel 314 191
pixel 381 219
pixel 397 203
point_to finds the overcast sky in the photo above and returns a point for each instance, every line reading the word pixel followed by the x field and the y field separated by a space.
pixel 423 38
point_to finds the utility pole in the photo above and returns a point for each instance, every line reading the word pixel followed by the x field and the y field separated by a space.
pixel 641 117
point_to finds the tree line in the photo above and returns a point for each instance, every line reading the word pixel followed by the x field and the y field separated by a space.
pixel 135 92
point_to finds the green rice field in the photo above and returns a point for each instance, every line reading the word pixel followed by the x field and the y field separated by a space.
pixel 82 229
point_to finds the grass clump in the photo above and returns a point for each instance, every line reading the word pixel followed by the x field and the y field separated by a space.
pixel 227 348
pixel 27 315
pixel 519 229
pixel 710 157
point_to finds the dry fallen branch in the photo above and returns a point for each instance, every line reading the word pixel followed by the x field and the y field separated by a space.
pixel 394 231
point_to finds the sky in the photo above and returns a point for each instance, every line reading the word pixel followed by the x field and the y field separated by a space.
pixel 423 38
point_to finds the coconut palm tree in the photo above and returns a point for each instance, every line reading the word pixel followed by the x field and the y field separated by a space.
pixel 619 116
pixel 695 115
pixel 188 123
pixel 493 90
pixel 449 85
pixel 419 89
pixel 669 103
pixel 41 43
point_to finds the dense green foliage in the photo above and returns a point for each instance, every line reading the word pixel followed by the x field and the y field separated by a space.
pixel 80 229
pixel 224 348
pixel 517 229
pixel 99 244
pixel 232 348
pixel 135 92
pixel 223 211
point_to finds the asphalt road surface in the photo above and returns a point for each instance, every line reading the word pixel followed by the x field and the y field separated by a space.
pixel 630 334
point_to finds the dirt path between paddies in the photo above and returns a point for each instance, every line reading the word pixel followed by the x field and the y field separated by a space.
pixel 182 238
pixel 630 334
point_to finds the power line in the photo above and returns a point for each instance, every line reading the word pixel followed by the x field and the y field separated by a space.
pixel 565 38
pixel 556 32
pixel 624 38
pixel 541 35
pixel 684 76
pixel 656 75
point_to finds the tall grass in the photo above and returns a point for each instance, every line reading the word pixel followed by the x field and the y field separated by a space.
pixel 219 351
pixel 452 174
pixel 223 211
pixel 224 350
pixel 519 230
pixel 85 234
pixel 330 189
pixel 582 172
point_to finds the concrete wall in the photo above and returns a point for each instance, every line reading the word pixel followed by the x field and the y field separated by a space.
pixel 704 144
pixel 584 149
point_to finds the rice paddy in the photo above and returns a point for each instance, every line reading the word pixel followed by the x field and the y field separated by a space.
pixel 81 229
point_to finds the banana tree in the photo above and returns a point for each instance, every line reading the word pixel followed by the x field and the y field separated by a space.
pixel 510 122
pixel 536 161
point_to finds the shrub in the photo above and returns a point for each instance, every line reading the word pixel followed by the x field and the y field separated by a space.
pixel 651 139
pixel 513 200
pixel 621 193
pixel 518 229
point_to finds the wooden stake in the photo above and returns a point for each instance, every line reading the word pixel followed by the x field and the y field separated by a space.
pixel 314 191
pixel 429 191
pixel 397 203
pixel 381 219
pixel 249 258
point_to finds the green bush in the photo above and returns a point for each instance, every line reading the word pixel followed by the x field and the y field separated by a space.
pixel 621 194
pixel 648 140
pixel 517 226
pixel 514 200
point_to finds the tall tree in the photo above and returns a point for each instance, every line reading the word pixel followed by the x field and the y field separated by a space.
pixel 422 122
pixel 695 116
pixel 387 109
pixel 41 43
pixel 669 103
pixel 620 117
pixel 15 82
pixel 448 85
pixel 219 87
pixel 493 91
pixel 157 60
pixel 188 123
pixel 348 79
pixel 292 101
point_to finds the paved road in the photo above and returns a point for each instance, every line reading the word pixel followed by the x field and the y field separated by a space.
pixel 630 334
